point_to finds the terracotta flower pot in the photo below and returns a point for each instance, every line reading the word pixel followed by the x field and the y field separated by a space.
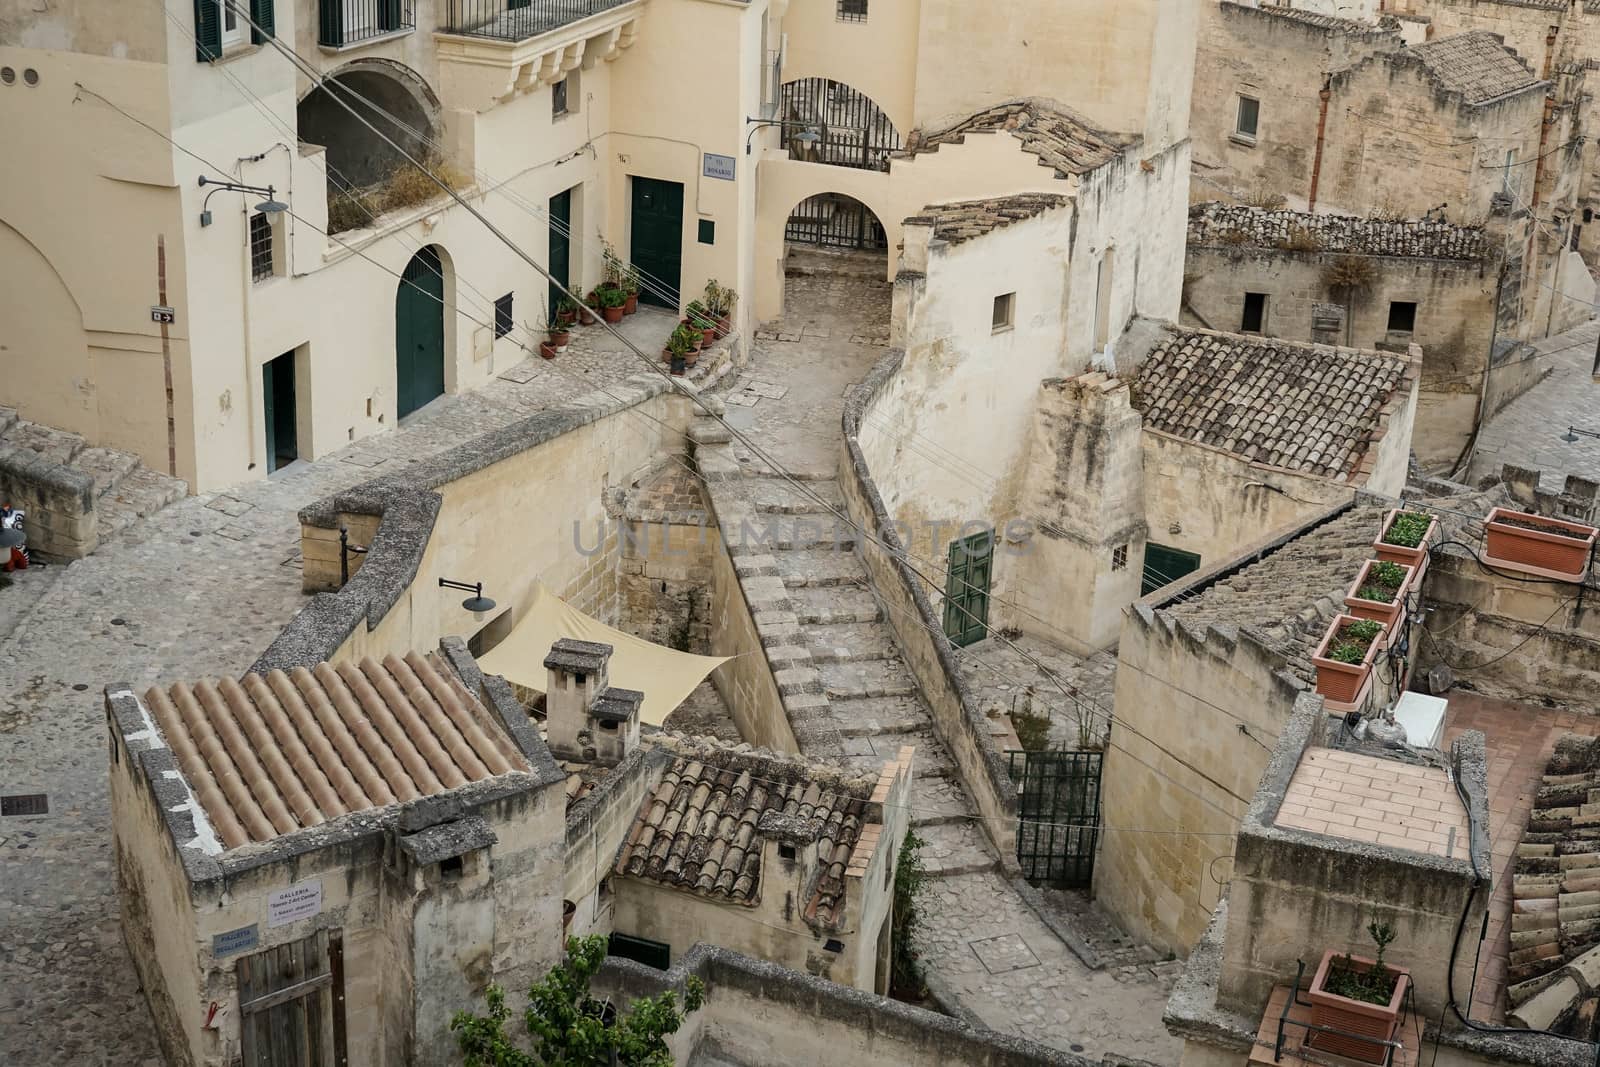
pixel 547 349
pixel 631 304
pixel 1388 614
pixel 561 338
pixel 724 324
pixel 1343 685
pixel 1416 558
pixel 566 318
pixel 1376 1021
pixel 586 317
pixel 613 315
pixel 1550 548
pixel 693 357
pixel 708 337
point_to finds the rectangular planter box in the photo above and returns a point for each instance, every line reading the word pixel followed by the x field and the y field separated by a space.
pixel 1416 558
pixel 1563 555
pixel 1388 614
pixel 1344 683
pixel 1378 1021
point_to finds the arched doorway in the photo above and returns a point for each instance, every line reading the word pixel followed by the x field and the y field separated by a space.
pixel 419 332
pixel 850 130
pixel 834 220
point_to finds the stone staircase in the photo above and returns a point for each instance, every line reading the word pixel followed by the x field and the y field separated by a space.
pixel 848 693
pixel 124 489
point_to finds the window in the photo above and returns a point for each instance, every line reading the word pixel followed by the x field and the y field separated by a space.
pixel 707 232
pixel 1255 313
pixel 833 944
pixel 260 246
pixel 502 316
pixel 1004 308
pixel 1402 316
pixel 655 954
pixel 786 852
pixel 1119 558
pixel 1102 299
pixel 852 10
pixel 232 25
pixel 450 868
pixel 1163 565
pixel 558 99
pixel 1577 231
pixel 1511 161
pixel 1249 117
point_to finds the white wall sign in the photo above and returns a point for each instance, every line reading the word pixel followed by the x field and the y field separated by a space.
pixel 297 902
pixel 719 166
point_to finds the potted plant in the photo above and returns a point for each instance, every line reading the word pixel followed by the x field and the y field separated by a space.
pixel 547 349
pixel 630 286
pixel 588 310
pixel 611 300
pixel 567 311
pixel 720 302
pixel 697 317
pixel 560 333
pixel 1379 591
pixel 1552 548
pixel 1406 537
pixel 1359 996
pixel 1344 659
pixel 679 345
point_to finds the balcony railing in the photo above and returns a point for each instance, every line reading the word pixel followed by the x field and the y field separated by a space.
pixel 518 20
pixel 347 22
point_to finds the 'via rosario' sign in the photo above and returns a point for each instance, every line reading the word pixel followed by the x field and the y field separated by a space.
pixel 719 166
pixel 301 901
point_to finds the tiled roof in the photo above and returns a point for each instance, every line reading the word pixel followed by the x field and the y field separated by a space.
pixel 1307 408
pixel 1308 18
pixel 276 753
pixel 1239 225
pixel 1476 64
pixel 1061 139
pixel 703 828
pixel 967 219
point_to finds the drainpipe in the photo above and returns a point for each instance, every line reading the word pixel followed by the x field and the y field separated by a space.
pixel 1316 161
pixel 1530 267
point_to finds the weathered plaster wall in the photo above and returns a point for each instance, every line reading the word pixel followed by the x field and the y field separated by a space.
pixel 1200 778
pixel 877 56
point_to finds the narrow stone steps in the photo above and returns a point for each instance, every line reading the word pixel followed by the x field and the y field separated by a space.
pixel 886 717
pixel 830 605
pixel 820 568
pixel 850 642
pixel 955 848
pixel 778 496
pixel 8 419
pixel 940 802
pixel 107 466
pixel 867 679
pixel 56 446
pixel 705 431
pixel 142 493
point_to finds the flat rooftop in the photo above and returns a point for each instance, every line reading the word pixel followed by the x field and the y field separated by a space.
pixel 1381 801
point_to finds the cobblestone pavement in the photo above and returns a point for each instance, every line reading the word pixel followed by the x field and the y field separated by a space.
pixel 198 589
pixel 1008 679
pixel 1528 431
pixel 980 941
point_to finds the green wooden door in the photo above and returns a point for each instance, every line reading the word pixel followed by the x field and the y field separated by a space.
pixel 966 590
pixel 419 332
pixel 560 246
pixel 1163 565
pixel 657 239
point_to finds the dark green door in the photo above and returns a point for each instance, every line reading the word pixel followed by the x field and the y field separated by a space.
pixel 966 590
pixel 657 249
pixel 277 392
pixel 1163 565
pixel 419 332
pixel 560 246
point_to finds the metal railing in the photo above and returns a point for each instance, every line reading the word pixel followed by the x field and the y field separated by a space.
pixel 854 131
pixel 1388 1048
pixel 347 22
pixel 518 20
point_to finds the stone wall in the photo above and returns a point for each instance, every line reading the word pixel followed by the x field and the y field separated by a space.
pixel 59 500
pixel 1455 326
pixel 665 580
pixel 918 631
pixel 596 828
pixel 760 1013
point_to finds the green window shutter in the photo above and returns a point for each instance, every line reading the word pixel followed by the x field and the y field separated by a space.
pixel 207 30
pixel 331 29
pixel 261 15
pixel 388 14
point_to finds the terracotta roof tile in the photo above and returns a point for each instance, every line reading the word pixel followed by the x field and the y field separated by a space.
pixel 1215 224
pixel 703 828
pixel 1310 18
pixel 1476 64
pixel 966 219
pixel 1307 408
pixel 272 754
pixel 1061 139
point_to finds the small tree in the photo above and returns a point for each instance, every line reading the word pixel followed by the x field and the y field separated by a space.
pixel 569 1027
pixel 909 878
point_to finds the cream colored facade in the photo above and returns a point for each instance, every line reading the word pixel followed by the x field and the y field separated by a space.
pixel 91 200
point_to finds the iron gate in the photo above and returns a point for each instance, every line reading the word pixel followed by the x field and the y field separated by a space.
pixel 836 221
pixel 854 131
pixel 1058 810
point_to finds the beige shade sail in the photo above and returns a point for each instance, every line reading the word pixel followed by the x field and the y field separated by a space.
pixel 665 676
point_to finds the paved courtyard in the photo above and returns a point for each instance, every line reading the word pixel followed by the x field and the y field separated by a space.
pixel 199 589
pixel 1528 431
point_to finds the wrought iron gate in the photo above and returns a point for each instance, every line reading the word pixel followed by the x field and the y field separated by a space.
pixel 835 221
pixel 853 131
pixel 1058 809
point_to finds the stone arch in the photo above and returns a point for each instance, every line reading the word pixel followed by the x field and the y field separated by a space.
pixel 354 152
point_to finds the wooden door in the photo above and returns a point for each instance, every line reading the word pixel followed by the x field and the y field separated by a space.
pixel 560 247
pixel 291 1004
pixel 419 332
pixel 657 240
pixel 966 593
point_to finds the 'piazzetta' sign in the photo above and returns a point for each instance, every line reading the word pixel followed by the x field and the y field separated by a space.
pixel 298 902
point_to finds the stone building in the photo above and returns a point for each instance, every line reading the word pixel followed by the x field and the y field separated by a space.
pixel 1378 284
pixel 344 855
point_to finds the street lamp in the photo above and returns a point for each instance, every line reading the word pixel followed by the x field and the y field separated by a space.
pixel 1571 436
pixel 807 136
pixel 270 206
pixel 477 603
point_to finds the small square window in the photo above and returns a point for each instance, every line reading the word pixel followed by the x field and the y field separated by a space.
pixel 786 852
pixel 1254 319
pixel 833 944
pixel 1004 309
pixel 1249 117
pixel 261 265
pixel 1119 558
pixel 502 316
pixel 1402 316
pixel 852 10
pixel 558 99
pixel 708 232
pixel 450 869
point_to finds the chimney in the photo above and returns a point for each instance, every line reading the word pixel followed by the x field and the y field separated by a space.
pixel 789 852
pixel 577 679
pixel 614 724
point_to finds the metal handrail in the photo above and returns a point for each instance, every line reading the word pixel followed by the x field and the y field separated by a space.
pixel 1294 998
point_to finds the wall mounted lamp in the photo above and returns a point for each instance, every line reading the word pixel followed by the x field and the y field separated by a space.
pixel 477 603
pixel 1571 436
pixel 270 206
pixel 808 135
